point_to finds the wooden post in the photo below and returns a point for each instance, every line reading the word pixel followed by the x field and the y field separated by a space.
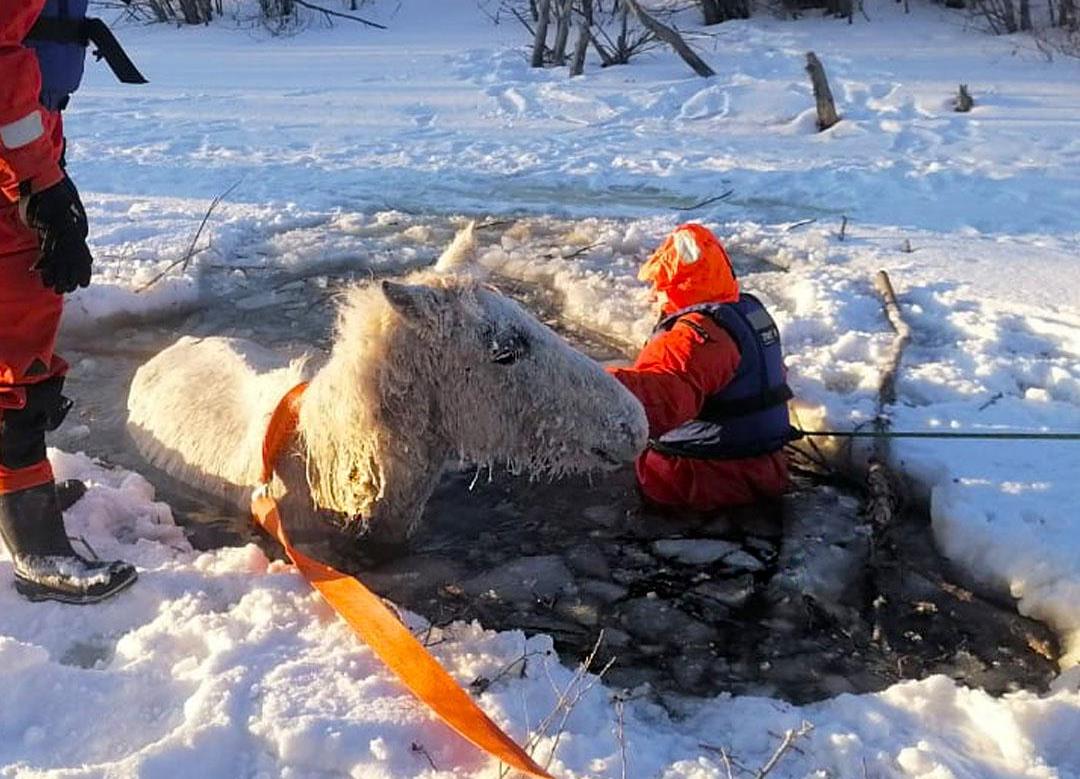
pixel 540 41
pixel 826 108
pixel 671 38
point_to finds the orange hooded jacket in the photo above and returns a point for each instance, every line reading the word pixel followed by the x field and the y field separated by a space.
pixel 679 368
pixel 31 142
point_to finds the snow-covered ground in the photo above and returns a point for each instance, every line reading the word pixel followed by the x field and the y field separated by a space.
pixel 225 665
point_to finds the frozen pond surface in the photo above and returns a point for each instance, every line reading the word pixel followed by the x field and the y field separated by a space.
pixel 786 600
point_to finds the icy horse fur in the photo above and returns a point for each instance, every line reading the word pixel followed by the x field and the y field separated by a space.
pixel 437 367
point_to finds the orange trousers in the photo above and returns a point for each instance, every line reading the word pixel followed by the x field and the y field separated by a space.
pixel 29 320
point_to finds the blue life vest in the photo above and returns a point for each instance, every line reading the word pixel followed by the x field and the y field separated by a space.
pixel 749 416
pixel 61 62
pixel 59 37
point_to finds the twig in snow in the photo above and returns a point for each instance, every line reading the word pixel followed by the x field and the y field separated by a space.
pixel 843 228
pixel 577 252
pixel 521 18
pixel 568 699
pixel 800 223
pixel 82 540
pixel 482 683
pixel 496 223
pixel 620 733
pixel 186 258
pixel 419 749
pixel 726 758
pixel 705 202
pixel 341 15
pixel 727 763
pixel 887 385
pixel 794 748
pixel 790 736
pixel 997 396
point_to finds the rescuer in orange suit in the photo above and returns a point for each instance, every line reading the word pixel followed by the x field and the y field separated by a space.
pixel 712 382
pixel 43 255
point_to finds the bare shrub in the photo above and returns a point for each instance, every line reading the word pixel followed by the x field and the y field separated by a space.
pixel 617 30
pixel 276 15
pixel 1055 27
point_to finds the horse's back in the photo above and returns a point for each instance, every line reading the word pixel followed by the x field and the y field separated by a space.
pixel 198 410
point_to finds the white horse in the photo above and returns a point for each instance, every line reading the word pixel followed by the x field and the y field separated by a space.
pixel 421 372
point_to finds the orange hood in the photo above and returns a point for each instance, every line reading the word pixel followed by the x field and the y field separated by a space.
pixel 690 267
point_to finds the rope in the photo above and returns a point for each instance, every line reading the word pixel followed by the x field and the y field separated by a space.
pixel 930 434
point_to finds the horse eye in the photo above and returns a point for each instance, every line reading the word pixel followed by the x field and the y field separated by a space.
pixel 507 350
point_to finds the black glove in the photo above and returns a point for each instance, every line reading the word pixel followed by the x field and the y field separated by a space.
pixel 58 215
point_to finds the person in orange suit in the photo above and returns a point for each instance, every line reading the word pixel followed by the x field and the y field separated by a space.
pixel 43 255
pixel 712 382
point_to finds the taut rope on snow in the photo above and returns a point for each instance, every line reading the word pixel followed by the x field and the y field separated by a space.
pixel 1003 436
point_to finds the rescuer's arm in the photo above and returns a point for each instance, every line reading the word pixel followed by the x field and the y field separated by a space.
pixel 30 172
pixel 678 369
pixel 28 147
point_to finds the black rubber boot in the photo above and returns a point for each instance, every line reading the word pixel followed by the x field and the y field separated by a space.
pixel 46 565
pixel 69 492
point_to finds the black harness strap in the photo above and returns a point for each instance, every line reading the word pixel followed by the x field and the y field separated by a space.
pixel 87 31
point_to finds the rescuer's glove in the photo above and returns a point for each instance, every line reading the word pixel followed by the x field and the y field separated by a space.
pixel 58 215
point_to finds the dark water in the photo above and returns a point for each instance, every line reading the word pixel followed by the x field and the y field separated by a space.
pixel 794 603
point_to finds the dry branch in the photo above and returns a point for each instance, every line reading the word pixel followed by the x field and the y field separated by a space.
pixel 186 257
pixel 567 700
pixel 887 391
pixel 340 15
pixel 882 499
pixel 671 37
pixel 788 742
pixel 826 107
pixel 706 201
pixel 800 223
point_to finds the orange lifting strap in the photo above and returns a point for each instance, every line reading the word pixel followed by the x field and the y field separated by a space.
pixel 376 625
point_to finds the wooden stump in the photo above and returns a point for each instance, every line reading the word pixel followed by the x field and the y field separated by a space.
pixel 963 100
pixel 826 107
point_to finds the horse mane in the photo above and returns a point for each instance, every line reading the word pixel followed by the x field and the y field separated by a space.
pixel 367 388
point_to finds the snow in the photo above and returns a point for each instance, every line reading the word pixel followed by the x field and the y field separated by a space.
pixel 226 664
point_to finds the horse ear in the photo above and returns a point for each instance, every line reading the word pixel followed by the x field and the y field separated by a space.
pixel 415 302
pixel 460 255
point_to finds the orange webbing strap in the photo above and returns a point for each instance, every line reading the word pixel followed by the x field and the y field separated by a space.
pixel 281 428
pixel 378 627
